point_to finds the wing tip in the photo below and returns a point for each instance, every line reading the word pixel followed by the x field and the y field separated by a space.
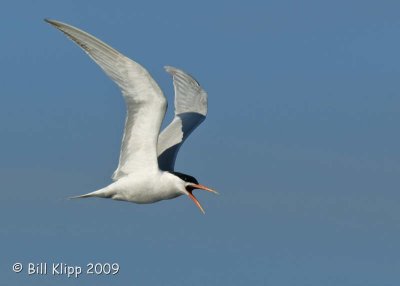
pixel 52 22
pixel 176 71
pixel 171 70
pixel 180 73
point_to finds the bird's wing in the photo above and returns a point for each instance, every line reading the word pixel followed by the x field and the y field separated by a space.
pixel 144 99
pixel 190 111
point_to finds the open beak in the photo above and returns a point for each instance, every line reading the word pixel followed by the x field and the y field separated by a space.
pixel 194 199
pixel 202 187
pixel 196 202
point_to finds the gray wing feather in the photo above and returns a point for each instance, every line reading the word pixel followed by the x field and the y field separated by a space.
pixel 144 99
pixel 190 111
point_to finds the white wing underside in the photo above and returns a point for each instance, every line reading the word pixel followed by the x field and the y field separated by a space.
pixel 144 99
pixel 190 111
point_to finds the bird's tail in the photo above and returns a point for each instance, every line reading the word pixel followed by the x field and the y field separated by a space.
pixel 102 193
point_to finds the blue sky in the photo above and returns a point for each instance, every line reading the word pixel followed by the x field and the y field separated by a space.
pixel 301 141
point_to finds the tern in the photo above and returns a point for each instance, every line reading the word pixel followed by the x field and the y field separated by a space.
pixel 145 173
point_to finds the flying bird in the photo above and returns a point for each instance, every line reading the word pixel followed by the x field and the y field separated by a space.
pixel 146 170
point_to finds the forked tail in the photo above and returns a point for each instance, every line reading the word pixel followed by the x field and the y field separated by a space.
pixel 102 193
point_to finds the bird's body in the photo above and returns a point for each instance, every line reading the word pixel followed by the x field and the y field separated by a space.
pixel 145 173
pixel 142 188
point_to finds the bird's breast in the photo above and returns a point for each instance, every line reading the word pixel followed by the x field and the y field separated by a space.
pixel 144 189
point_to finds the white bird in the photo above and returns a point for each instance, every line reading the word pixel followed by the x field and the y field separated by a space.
pixel 145 173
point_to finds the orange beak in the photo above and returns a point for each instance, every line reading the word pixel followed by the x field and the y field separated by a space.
pixel 201 187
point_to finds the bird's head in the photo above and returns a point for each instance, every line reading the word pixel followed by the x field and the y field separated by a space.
pixel 191 184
